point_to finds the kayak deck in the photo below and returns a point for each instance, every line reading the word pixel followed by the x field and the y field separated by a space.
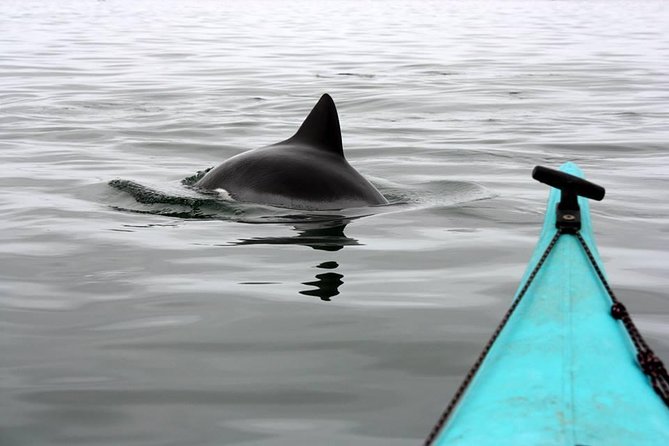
pixel 562 371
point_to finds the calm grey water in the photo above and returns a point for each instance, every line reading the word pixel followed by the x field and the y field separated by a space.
pixel 127 323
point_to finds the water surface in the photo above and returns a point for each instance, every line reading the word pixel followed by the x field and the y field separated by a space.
pixel 127 323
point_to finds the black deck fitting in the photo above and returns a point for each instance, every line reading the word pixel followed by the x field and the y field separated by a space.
pixel 571 187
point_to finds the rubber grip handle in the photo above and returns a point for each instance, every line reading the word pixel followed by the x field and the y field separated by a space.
pixel 566 182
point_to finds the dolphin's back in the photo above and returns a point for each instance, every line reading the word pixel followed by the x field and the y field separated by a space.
pixel 292 176
pixel 306 171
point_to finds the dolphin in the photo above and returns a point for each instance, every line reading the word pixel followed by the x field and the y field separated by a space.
pixel 307 171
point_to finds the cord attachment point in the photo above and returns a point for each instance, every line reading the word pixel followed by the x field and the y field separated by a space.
pixel 571 187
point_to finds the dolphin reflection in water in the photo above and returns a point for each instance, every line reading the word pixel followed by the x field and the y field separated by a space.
pixel 322 236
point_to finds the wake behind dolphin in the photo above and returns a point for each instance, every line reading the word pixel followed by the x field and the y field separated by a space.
pixel 307 171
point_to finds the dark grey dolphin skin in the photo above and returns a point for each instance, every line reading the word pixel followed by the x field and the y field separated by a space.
pixel 306 171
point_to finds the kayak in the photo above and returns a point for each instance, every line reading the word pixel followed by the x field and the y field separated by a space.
pixel 562 371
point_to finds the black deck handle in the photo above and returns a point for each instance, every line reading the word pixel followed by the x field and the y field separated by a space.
pixel 564 181
pixel 571 186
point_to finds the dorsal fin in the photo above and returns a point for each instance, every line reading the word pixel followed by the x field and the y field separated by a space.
pixel 321 128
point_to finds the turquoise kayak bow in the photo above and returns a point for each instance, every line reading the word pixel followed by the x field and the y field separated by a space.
pixel 566 367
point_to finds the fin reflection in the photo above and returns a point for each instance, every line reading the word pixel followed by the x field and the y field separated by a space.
pixel 322 236
pixel 327 284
